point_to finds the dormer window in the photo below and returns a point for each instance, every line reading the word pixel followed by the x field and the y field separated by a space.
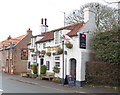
pixel 57 36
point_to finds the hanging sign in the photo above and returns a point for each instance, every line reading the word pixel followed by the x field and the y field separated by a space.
pixel 24 54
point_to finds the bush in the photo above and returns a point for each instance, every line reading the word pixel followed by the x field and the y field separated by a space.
pixel 106 46
pixel 34 68
pixel 102 73
pixel 43 69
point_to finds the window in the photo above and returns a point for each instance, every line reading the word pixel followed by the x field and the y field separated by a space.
pixel 57 58
pixel 57 64
pixel 44 44
pixel 32 42
pixel 58 38
pixel 57 61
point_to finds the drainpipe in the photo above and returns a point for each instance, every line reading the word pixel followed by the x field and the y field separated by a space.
pixel 63 62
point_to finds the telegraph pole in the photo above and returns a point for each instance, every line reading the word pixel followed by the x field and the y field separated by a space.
pixel 64 18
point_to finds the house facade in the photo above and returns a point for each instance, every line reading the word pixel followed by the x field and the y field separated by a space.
pixel 70 60
pixel 11 53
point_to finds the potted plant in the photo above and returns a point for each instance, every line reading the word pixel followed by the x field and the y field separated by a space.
pixel 56 69
pixel 48 53
pixel 43 52
pixel 68 45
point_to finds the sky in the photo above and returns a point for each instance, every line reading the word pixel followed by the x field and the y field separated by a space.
pixel 17 16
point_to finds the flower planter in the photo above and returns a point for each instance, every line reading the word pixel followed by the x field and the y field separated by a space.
pixel 56 71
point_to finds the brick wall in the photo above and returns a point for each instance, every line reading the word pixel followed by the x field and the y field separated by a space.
pixel 21 65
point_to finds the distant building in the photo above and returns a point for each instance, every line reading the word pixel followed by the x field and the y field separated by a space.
pixel 13 53
pixel 72 59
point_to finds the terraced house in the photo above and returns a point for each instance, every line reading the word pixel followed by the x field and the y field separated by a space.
pixel 13 53
pixel 52 48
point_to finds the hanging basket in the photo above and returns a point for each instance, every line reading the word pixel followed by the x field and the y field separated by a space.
pixel 32 50
pixel 48 53
pixel 69 45
pixel 60 50
pixel 43 52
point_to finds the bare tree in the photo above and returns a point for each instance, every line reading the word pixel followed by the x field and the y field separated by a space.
pixel 106 17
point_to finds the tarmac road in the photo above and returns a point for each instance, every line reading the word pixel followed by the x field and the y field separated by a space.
pixel 12 86
pixel 17 84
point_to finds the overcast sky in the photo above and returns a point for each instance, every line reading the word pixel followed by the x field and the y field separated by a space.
pixel 16 16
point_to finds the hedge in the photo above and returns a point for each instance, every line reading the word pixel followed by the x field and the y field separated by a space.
pixel 102 73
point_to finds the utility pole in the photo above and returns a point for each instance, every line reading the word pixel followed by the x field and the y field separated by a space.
pixel 64 18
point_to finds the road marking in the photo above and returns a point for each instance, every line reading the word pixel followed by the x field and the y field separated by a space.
pixel 1 90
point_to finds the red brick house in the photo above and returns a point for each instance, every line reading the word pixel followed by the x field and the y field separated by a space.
pixel 11 52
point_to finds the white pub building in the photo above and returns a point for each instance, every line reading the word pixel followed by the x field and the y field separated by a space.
pixel 69 56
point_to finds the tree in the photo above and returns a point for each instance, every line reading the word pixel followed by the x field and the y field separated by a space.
pixel 106 17
pixel 106 45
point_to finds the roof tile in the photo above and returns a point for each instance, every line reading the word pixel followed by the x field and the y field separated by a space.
pixel 74 29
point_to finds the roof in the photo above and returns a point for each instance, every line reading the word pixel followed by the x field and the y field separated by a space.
pixel 75 28
pixel 47 37
pixel 13 40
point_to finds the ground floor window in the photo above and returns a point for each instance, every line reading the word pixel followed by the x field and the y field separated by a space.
pixel 57 64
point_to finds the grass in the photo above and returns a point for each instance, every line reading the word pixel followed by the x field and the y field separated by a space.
pixel 103 86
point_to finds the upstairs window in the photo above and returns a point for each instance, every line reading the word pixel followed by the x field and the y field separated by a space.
pixel 58 38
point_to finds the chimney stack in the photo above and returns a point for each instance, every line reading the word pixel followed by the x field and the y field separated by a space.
pixel 44 26
pixel 89 15
pixel 29 31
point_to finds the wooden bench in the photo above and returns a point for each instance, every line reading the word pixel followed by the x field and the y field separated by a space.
pixel 48 75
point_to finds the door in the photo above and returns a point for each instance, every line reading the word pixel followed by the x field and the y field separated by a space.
pixel 41 61
pixel 73 67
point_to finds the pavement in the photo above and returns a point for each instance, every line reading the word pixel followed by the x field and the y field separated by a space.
pixel 53 85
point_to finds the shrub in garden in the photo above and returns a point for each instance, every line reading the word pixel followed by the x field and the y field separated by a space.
pixel 42 69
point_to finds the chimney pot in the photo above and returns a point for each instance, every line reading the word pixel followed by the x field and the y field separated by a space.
pixel 45 21
pixel 29 31
pixel 42 21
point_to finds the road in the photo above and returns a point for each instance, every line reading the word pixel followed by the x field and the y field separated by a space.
pixel 12 86
pixel 16 84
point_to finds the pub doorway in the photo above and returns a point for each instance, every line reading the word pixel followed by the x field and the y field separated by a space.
pixel 73 68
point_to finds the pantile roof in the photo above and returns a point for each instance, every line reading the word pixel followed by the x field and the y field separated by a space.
pixel 75 28
pixel 13 40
